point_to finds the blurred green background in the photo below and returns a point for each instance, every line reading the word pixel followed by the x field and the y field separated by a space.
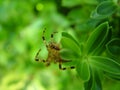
pixel 21 26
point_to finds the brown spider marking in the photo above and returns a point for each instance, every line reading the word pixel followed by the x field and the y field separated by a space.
pixel 53 53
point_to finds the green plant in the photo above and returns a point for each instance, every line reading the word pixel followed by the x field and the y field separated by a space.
pixel 90 39
pixel 99 55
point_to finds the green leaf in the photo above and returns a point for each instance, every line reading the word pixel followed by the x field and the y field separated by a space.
pixel 94 82
pixel 102 47
pixel 68 54
pixel 113 47
pixel 105 64
pixel 65 34
pixel 87 26
pixel 98 39
pixel 104 10
pixel 70 43
pixel 114 76
pixel 95 15
pixel 83 70
pixel 88 84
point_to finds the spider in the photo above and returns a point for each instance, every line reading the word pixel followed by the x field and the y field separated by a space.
pixel 53 53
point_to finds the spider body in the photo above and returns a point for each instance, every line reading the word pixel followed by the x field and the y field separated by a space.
pixel 53 54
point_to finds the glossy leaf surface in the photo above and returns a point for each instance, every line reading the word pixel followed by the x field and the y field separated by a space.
pixel 83 70
pixel 69 42
pixel 97 38
pixel 105 64
pixel 113 47
pixel 104 10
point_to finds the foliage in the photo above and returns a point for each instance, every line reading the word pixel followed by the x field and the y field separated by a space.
pixel 89 35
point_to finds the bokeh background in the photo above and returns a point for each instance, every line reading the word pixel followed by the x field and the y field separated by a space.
pixel 21 26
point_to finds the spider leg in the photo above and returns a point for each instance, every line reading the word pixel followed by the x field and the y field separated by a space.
pixel 43 38
pixel 47 64
pixel 64 68
pixel 52 35
pixel 36 57
pixel 48 61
